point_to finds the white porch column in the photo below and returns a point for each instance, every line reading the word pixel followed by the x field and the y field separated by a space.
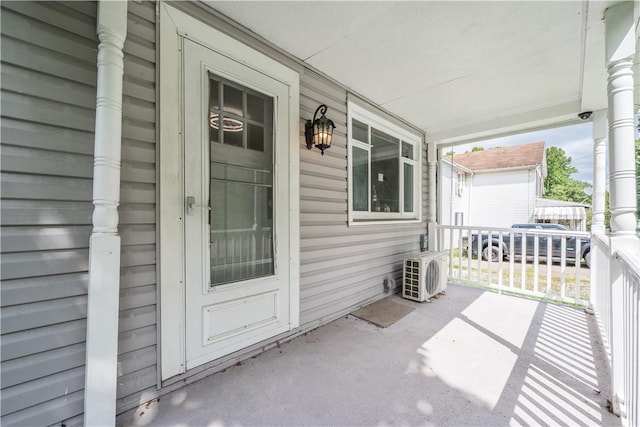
pixel 599 170
pixel 432 162
pixel 104 245
pixel 620 50
pixel 598 200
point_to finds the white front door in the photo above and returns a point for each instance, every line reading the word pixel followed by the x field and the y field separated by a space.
pixel 236 179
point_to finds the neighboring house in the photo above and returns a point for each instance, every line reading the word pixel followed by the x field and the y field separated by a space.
pixel 502 184
pixel 498 187
pixel 455 192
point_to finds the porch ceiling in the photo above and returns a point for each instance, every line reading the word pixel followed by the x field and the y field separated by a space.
pixel 458 70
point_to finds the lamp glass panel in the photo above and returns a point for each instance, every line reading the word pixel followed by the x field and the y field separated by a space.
pixel 322 132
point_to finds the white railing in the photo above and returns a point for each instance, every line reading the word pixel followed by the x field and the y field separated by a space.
pixel 601 289
pixel 509 259
pixel 616 302
pixel 630 387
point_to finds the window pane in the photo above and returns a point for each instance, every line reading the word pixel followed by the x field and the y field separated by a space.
pixel 407 150
pixel 360 181
pixel 408 187
pixel 233 100
pixel 385 172
pixel 360 131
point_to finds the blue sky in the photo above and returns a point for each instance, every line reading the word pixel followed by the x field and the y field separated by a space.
pixel 576 141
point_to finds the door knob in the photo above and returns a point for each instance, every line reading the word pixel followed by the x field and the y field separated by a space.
pixel 191 204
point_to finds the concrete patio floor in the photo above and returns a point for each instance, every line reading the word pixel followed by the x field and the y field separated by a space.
pixel 471 357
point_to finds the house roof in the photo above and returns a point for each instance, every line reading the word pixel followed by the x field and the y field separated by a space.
pixel 503 157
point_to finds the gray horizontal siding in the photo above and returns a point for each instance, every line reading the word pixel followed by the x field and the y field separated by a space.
pixel 342 266
pixel 48 99
pixel 137 343
pixel 48 116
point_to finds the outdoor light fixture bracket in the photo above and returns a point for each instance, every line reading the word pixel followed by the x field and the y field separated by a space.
pixel 319 131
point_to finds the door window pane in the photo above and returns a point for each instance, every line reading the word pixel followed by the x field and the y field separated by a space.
pixel 360 182
pixel 214 109
pixel 255 137
pixel 241 186
pixel 241 230
pixel 233 100
pixel 245 119
pixel 230 135
pixel 214 93
pixel 255 108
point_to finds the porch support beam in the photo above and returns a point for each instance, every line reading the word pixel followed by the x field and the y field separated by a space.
pixel 620 50
pixel 104 244
pixel 599 170
pixel 432 164
pixel 598 200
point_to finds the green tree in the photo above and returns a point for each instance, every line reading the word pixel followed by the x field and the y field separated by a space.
pixel 558 183
pixel 474 149
pixel 607 211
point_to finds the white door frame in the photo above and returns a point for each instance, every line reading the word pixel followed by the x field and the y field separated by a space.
pixel 174 25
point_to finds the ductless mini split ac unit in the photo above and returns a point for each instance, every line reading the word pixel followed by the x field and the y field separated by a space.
pixel 423 275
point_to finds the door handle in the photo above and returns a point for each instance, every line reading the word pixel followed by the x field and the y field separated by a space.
pixel 191 204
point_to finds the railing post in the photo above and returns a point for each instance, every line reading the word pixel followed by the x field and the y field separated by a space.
pixel 620 50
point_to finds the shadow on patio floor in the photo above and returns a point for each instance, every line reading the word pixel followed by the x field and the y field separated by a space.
pixel 471 357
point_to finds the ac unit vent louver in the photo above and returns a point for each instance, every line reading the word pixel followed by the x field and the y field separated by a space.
pixel 423 275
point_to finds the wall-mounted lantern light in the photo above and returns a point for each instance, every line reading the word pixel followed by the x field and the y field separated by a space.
pixel 319 131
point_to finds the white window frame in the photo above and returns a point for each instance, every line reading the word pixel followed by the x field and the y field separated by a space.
pixel 356 112
pixel 460 184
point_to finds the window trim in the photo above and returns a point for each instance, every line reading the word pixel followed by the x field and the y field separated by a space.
pixel 357 112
